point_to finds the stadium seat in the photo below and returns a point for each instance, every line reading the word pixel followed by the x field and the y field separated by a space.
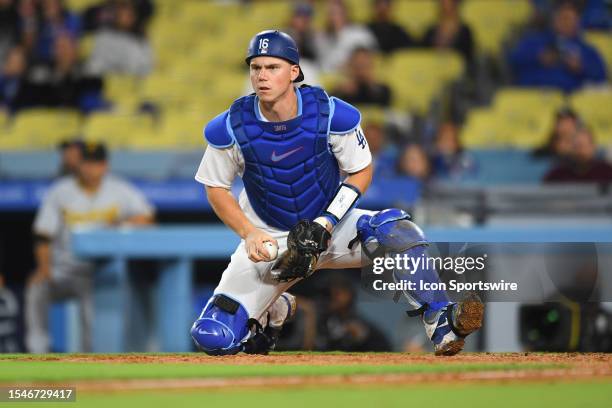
pixel 123 90
pixel 12 141
pixel 415 15
pixel 80 5
pixel 492 21
pixel 185 129
pixel 116 130
pixel 484 129
pixel 527 113
pixel 42 128
pixel 359 12
pixel 371 114
pixel 417 76
pixel 595 107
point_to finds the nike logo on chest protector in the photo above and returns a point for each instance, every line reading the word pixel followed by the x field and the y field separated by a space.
pixel 278 158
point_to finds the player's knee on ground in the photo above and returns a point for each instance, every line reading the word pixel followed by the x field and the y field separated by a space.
pixel 221 327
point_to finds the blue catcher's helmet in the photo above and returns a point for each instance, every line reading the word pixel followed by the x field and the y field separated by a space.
pixel 274 43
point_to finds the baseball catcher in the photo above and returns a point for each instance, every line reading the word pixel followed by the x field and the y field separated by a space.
pixel 305 163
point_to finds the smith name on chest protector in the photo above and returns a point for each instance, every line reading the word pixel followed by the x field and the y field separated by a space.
pixel 290 173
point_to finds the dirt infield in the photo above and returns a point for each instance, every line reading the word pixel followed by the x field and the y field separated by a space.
pixel 557 367
pixel 576 360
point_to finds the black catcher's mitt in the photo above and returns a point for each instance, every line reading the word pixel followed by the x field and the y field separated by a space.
pixel 305 242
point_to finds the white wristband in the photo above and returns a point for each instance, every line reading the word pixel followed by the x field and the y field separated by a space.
pixel 346 197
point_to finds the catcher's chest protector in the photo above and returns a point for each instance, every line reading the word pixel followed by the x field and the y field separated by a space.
pixel 290 173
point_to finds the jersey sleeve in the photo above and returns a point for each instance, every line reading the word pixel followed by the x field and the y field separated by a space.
pixel 134 202
pixel 48 218
pixel 351 150
pixel 219 167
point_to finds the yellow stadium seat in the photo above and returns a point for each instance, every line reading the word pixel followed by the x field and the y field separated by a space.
pixel 416 15
pixel 595 108
pixel 484 129
pixel 45 128
pixel 528 113
pixel 116 129
pixel 370 114
pixel 10 140
pixel 492 21
pixel 123 90
pixel 185 129
pixel 359 11
pixel 80 5
pixel 602 41
pixel 526 99
pixel 167 91
pixel 418 76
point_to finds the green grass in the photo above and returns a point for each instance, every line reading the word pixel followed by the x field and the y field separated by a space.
pixel 12 370
pixel 557 395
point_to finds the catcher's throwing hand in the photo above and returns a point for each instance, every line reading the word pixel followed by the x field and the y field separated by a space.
pixel 255 246
pixel 305 242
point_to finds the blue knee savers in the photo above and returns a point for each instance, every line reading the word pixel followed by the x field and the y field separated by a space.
pixel 394 234
pixel 221 327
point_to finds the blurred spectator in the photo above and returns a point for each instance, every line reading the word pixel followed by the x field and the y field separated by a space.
pixel 102 15
pixel 449 159
pixel 122 48
pixel 93 199
pixel 361 86
pixel 413 162
pixel 558 57
pixel 301 30
pixel 451 32
pixel 384 155
pixel 559 144
pixel 71 152
pixel 583 165
pixel 59 83
pixel 11 75
pixel 341 328
pixel 56 21
pixel 341 37
pixel 9 28
pixel 389 35
pixel 595 14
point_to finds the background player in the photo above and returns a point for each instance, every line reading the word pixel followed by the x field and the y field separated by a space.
pixel 90 198
pixel 290 146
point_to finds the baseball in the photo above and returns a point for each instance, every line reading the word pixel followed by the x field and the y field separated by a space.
pixel 272 249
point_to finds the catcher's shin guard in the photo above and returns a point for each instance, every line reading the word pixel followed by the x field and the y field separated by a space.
pixel 390 233
pixel 221 327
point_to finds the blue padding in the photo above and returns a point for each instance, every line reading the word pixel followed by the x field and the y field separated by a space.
pixel 345 117
pixel 218 332
pixel 217 133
